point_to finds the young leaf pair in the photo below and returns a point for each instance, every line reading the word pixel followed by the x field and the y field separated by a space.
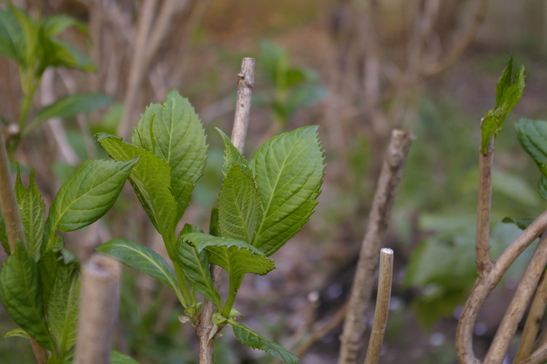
pixel 261 205
pixel 40 280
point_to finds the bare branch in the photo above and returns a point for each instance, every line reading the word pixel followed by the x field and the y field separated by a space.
pixel 518 305
pixel 139 66
pixel 384 197
pixel 458 50
pixel 538 357
pixel 382 306
pixel 98 309
pixel 205 329
pixel 482 245
pixel 484 286
pixel 531 327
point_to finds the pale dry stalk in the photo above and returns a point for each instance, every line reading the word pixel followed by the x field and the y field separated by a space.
pixel 241 121
pixel 382 307
pixel 98 309
pixel 390 176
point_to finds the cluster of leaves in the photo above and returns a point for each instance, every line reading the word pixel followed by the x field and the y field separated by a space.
pixel 262 203
pixel 292 88
pixel 34 46
pixel 40 280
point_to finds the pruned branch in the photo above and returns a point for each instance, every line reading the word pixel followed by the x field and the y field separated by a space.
pixel 382 307
pixel 206 329
pixel 98 309
pixel 384 197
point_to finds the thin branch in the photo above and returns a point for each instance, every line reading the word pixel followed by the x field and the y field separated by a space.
pixel 538 357
pixel 354 325
pixel 482 245
pixel 38 351
pixel 205 329
pixel 458 50
pixel 138 66
pixel 320 330
pixel 8 203
pixel 535 315
pixel 518 305
pixel 382 307
pixel 98 309
pixel 484 286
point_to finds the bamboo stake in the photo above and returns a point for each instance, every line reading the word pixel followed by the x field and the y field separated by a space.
pixel 98 309
pixel 354 325
pixel 382 307
pixel 205 330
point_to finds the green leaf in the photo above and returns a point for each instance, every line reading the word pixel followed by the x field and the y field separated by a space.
pixel 88 194
pixel 55 24
pixel 532 135
pixel 70 106
pixel 61 54
pixel 62 308
pixel 196 267
pixel 118 358
pixel 12 39
pixel 239 205
pixel 150 179
pixel 31 31
pixel 140 258
pixel 288 170
pixel 232 156
pixel 177 136
pixel 504 81
pixel 234 256
pixel 521 223
pixel 32 210
pixel 49 264
pixel 253 340
pixel 21 294
pixel 507 96
pixel 17 333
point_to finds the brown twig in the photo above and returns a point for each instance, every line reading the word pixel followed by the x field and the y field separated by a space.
pixel 482 245
pixel 98 309
pixel 384 197
pixel 320 330
pixel 531 327
pixel 382 306
pixel 484 286
pixel 538 357
pixel 518 305
pixel 458 50
pixel 241 121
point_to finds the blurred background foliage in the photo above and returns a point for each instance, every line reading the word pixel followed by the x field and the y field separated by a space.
pixel 356 68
